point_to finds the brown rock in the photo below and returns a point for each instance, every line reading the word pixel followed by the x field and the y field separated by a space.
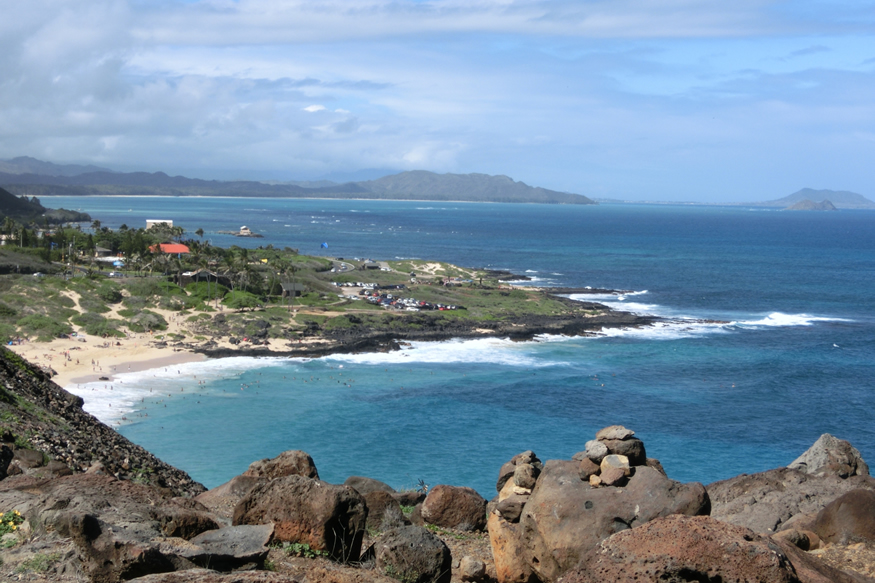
pixel 685 548
pixel 564 517
pixel 588 468
pixel 613 477
pixel 471 569
pixel 327 517
pixel 507 470
pixel 619 462
pixel 632 448
pixel 365 485
pixel 455 507
pixel 794 537
pixel 222 499
pixel 614 432
pixel 507 550
pixel 848 519
pixel 384 512
pixel 409 497
pixel 288 463
pixel 656 465
pixel 525 476
pixel 511 507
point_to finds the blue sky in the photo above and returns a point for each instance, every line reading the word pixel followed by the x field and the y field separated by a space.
pixel 632 99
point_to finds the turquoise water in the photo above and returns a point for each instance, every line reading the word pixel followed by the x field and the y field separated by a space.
pixel 709 400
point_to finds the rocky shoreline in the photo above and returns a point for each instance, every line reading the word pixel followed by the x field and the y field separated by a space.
pixel 370 339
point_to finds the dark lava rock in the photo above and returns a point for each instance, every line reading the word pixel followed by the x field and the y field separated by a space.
pixel 697 548
pixel 414 555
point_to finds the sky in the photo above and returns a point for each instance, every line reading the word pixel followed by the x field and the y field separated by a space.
pixel 687 100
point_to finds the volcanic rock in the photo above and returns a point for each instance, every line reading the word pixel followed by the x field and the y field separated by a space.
pixel 455 507
pixel 326 517
pixel 365 485
pixel 288 463
pixel 414 555
pixel 507 470
pixel 565 517
pixel 384 512
pixel 632 448
pixel 848 519
pixel 766 501
pixel 614 432
pixel 699 548
pixel 830 455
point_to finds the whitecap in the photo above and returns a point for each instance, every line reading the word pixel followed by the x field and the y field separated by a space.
pixel 110 401
pixel 779 319
pixel 481 350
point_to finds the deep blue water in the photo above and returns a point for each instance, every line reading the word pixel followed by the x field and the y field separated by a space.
pixel 709 401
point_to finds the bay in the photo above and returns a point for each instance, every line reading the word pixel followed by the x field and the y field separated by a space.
pixel 709 400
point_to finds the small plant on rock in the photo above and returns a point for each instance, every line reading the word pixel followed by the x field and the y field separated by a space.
pixel 10 521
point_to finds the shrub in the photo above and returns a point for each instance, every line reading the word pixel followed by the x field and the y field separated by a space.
pixel 206 291
pixel 239 300
pixel 44 327
pixel 146 321
pixel 97 325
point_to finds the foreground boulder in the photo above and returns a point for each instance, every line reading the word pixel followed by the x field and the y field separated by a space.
pixel 700 548
pixel 540 533
pixel 223 499
pixel 119 528
pixel 565 517
pixel 288 463
pixel 412 554
pixel 455 507
pixel 777 499
pixel 848 519
pixel 365 485
pixel 327 517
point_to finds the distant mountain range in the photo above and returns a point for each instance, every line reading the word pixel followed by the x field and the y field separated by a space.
pixel 28 165
pixel 842 199
pixel 36 178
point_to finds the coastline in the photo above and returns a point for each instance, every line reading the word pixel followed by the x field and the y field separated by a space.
pixel 80 360
pixel 71 360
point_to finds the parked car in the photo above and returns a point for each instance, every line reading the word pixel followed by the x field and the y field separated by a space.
pixel 116 274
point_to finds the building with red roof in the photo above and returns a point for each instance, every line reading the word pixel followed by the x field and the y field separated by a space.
pixel 170 248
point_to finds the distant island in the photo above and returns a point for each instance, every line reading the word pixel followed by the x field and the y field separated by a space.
pixel 810 205
pixel 31 177
pixel 838 199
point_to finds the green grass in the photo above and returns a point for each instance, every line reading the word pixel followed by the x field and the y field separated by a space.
pixel 39 563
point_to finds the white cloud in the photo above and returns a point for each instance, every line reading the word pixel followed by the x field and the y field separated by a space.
pixel 583 96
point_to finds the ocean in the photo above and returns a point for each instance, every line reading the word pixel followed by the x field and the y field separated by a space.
pixel 795 359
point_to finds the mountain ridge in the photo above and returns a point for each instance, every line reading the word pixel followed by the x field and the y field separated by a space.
pixel 409 185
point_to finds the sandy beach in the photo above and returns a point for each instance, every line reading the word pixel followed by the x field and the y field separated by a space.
pixel 88 361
